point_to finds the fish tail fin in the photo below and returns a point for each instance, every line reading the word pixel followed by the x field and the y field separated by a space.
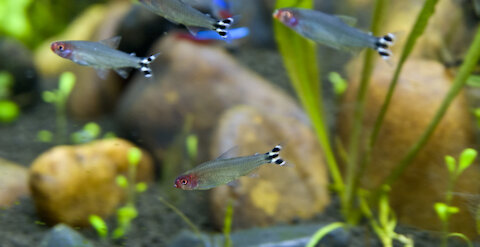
pixel 221 26
pixel 274 156
pixel 145 65
pixel 383 43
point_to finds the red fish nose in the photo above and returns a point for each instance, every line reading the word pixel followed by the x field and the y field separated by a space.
pixel 276 14
pixel 53 46
pixel 175 185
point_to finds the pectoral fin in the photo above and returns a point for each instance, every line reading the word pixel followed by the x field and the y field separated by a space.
pixel 123 72
pixel 102 73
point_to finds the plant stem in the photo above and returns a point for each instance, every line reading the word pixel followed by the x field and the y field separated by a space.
pixel 466 69
pixel 418 29
pixel 353 175
pixel 182 215
pixel 61 120
pixel 132 174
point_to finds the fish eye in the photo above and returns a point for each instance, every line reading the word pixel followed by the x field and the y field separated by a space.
pixel 61 47
pixel 184 181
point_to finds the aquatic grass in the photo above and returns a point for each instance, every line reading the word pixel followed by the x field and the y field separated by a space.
pixel 127 213
pixel 353 172
pixel 459 82
pixel 227 224
pixel 444 209
pixel 418 29
pixel 300 61
pixel 322 232
pixel 384 224
pixel 192 226
pixel 9 110
pixel 59 97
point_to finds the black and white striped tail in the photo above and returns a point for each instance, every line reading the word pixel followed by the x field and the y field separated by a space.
pixel 382 45
pixel 221 27
pixel 145 65
pixel 273 156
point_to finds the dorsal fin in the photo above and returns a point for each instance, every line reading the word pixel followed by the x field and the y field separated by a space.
pixel 228 154
pixel 111 42
pixel 351 21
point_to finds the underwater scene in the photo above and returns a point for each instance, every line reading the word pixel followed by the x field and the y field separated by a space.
pixel 239 123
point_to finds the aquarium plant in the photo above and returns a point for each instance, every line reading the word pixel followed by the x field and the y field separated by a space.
pixel 445 209
pixel 128 212
pixel 9 110
pixel 90 132
pixel 59 98
pixel 299 57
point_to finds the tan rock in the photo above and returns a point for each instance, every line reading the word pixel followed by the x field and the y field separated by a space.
pixel 13 182
pixel 200 82
pixel 277 194
pixel 69 183
pixel 421 88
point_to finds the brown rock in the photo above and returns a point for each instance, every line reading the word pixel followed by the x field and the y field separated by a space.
pixel 13 182
pixel 278 194
pixel 69 183
pixel 197 81
pixel 421 88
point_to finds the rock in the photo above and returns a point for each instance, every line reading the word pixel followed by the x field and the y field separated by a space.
pixel 200 82
pixel 13 182
pixel 20 66
pixel 69 183
pixel 278 194
pixel 91 95
pixel 420 90
pixel 64 236
pixel 448 34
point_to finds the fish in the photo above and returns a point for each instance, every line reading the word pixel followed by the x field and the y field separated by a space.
pixel 102 56
pixel 225 170
pixel 333 31
pixel 177 11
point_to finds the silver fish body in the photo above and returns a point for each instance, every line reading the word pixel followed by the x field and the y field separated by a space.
pixel 332 31
pixel 179 12
pixel 102 56
pixel 222 171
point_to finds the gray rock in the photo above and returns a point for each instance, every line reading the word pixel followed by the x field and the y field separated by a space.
pixel 64 236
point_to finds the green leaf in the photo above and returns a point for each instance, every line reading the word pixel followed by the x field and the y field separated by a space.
pixel 118 233
pixel 192 146
pixel 99 225
pixel 45 136
pixel 49 96
pixel 451 164
pixel 93 129
pixel 121 181
pixel 339 84
pixel 466 159
pixel 322 232
pixel 134 156
pixel 6 82
pixel 473 81
pixel 459 235
pixel 442 210
pixel 66 83
pixel 300 61
pixel 126 214
pixel 9 111
pixel 141 187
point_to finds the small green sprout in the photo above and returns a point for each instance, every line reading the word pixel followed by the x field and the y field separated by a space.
pixel 99 225
pixel 227 224
pixel 90 132
pixel 59 98
pixel 141 187
pixel 385 225
pixel 122 181
pixel 322 232
pixel 134 156
pixel 192 146
pixel 339 84
pixel 125 215
pixel 45 136
pixel 445 209
pixel 9 111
